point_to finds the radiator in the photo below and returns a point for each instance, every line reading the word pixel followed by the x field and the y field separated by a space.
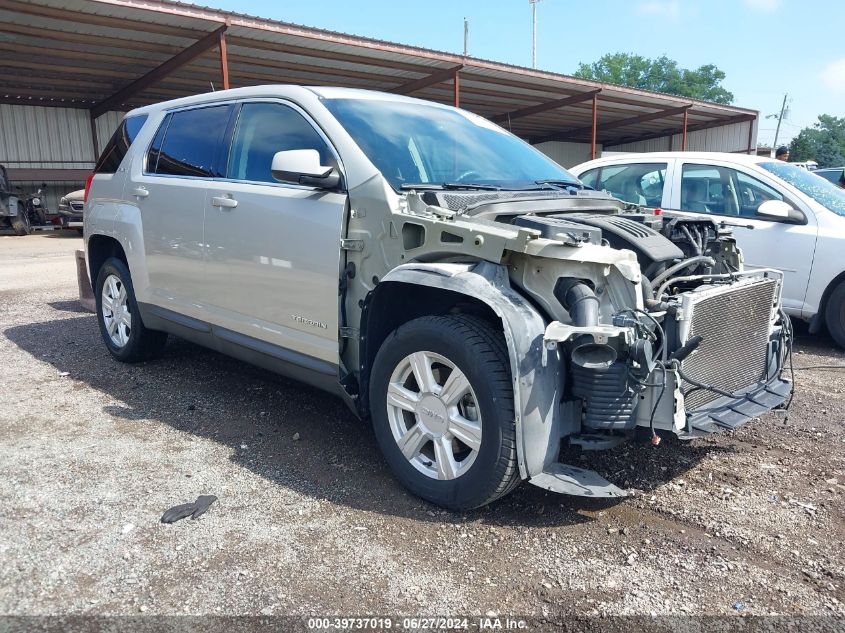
pixel 735 323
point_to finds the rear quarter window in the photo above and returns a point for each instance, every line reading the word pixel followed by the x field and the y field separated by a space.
pixel 119 144
pixel 188 141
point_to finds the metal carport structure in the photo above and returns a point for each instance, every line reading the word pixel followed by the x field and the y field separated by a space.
pixel 98 58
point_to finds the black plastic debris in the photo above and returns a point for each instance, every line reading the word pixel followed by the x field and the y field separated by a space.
pixel 193 510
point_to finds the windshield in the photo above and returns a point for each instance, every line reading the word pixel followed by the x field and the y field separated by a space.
pixel 415 143
pixel 825 193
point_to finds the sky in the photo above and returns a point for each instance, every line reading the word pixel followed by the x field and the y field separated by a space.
pixel 767 48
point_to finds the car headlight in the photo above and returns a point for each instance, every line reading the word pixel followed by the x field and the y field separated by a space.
pixel 63 200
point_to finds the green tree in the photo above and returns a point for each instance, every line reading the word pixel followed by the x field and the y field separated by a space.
pixel 661 75
pixel 824 142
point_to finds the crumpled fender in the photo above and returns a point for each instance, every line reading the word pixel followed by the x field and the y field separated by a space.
pixel 534 368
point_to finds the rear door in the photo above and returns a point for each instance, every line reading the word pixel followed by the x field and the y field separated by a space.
pixel 732 193
pixel 169 187
pixel 273 248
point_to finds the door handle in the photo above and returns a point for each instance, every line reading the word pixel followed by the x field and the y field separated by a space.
pixel 140 192
pixel 224 202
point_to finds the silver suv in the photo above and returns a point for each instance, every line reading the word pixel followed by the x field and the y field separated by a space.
pixel 482 307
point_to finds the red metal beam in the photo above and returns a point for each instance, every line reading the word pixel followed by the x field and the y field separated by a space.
pixel 429 80
pixel 456 84
pixel 544 107
pixel 224 59
pixel 180 59
pixel 595 123
pixel 642 118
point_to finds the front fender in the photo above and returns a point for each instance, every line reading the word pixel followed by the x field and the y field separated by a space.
pixel 535 369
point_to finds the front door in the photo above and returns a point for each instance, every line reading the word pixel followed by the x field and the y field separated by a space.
pixel 273 248
pixel 733 195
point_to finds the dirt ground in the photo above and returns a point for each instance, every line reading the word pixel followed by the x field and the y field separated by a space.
pixel 310 521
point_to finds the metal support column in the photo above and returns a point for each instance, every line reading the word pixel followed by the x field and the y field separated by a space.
pixel 456 82
pixel 595 125
pixel 95 142
pixel 224 60
pixel 751 149
pixel 684 137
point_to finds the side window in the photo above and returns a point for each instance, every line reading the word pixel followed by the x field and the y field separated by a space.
pixel 752 193
pixel 638 183
pixel 589 178
pixel 264 129
pixel 723 191
pixel 707 189
pixel 117 147
pixel 187 142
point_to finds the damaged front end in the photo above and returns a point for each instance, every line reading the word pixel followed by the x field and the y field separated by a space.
pixel 699 347
pixel 618 323
pixel 652 326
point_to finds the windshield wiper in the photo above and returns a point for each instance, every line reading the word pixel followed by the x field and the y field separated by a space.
pixel 562 184
pixel 448 185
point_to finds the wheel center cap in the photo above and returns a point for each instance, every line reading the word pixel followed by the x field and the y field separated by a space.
pixel 432 413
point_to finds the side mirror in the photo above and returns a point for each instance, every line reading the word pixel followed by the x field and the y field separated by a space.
pixel 779 210
pixel 302 166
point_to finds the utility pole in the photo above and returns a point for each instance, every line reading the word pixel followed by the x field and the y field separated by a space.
pixel 466 37
pixel 533 4
pixel 780 118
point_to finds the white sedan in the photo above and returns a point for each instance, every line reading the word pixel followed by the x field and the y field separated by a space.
pixel 784 217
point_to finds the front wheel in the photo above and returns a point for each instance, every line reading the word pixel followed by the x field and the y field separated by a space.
pixel 124 333
pixel 834 314
pixel 441 402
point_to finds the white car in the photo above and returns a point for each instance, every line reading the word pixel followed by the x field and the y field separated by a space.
pixel 783 216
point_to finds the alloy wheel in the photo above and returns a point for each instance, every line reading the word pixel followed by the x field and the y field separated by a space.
pixel 115 308
pixel 434 415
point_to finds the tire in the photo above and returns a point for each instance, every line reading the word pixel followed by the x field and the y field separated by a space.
pixel 20 223
pixel 472 477
pixel 834 314
pixel 128 345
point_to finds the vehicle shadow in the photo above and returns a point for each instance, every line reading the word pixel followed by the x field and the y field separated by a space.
pixel 303 439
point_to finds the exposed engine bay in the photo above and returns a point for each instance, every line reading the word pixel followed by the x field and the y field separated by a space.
pixel 686 342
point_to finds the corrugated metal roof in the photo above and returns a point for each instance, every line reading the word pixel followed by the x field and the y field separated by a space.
pixel 88 50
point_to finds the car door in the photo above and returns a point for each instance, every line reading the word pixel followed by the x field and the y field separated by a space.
pixel 273 248
pixel 732 194
pixel 169 189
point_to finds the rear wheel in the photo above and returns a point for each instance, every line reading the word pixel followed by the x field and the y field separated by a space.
pixel 20 222
pixel 441 401
pixel 121 327
pixel 834 314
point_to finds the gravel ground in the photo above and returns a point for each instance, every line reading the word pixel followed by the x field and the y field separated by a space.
pixel 309 520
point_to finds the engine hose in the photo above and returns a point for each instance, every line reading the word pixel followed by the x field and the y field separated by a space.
pixel 666 274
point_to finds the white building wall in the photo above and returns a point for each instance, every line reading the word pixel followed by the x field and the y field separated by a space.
pixel 567 154
pixel 51 138
pixel 106 125
pixel 726 138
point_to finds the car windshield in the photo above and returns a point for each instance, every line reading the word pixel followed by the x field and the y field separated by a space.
pixel 822 191
pixel 415 143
